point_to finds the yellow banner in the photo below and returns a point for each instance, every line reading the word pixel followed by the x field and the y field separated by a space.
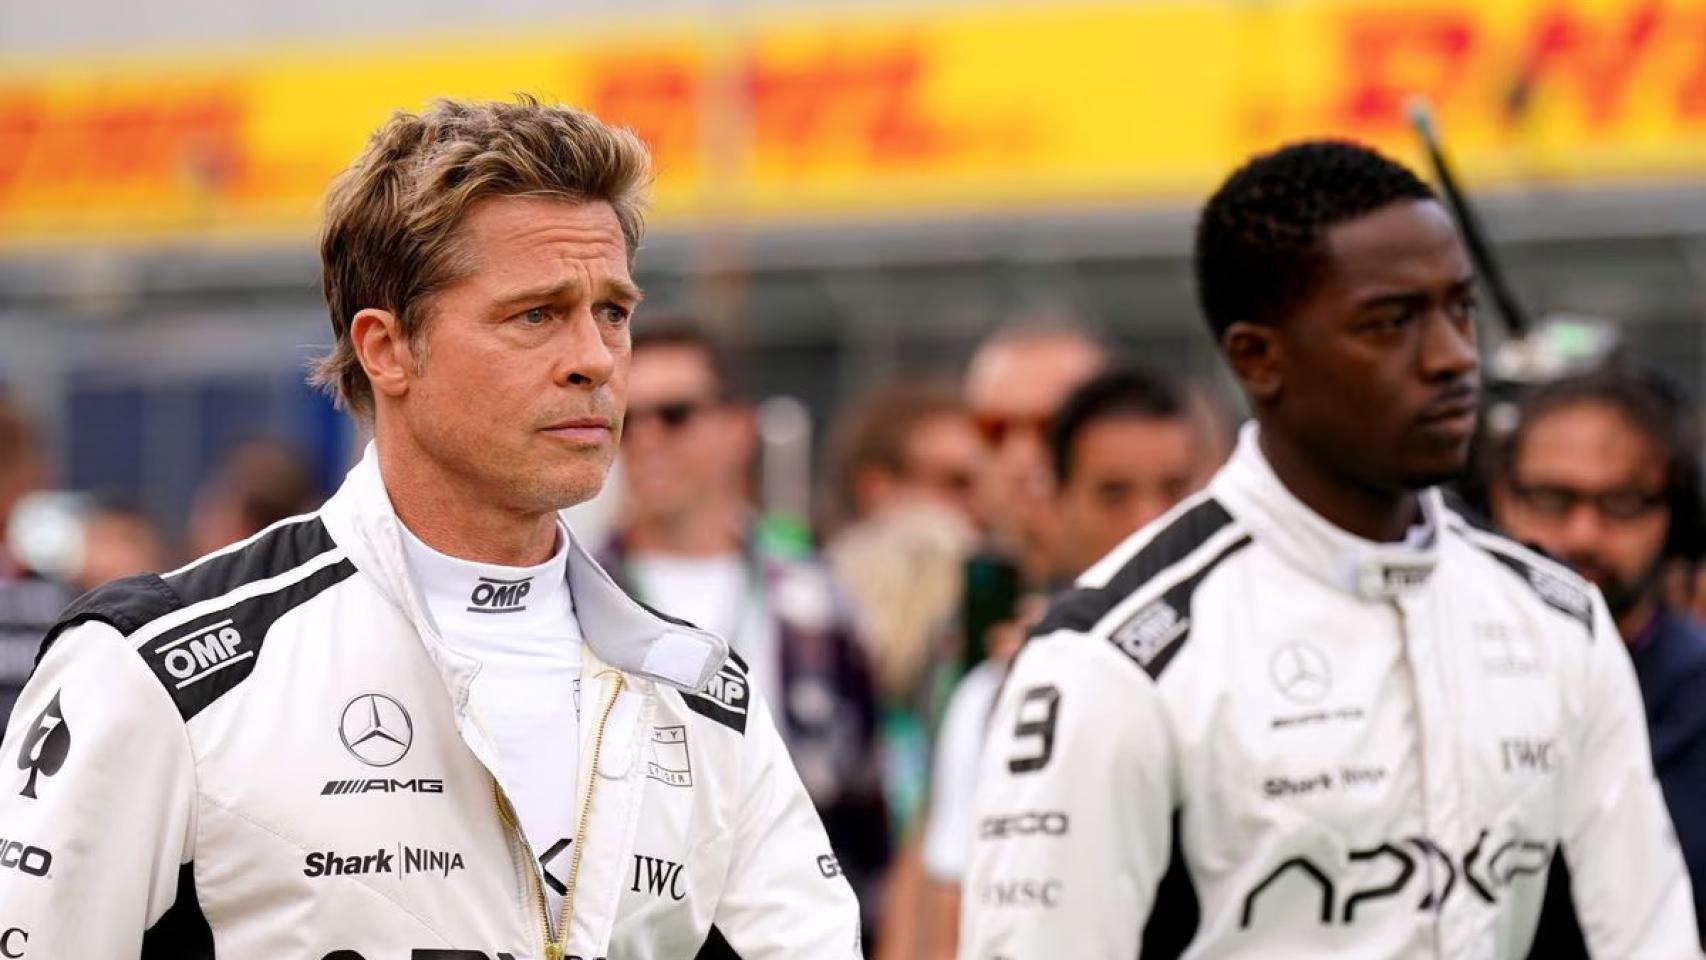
pixel 831 115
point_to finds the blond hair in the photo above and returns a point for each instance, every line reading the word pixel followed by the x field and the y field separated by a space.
pixel 390 239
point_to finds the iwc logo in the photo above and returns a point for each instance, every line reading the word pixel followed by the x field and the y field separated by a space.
pixel 1301 672
pixel 376 729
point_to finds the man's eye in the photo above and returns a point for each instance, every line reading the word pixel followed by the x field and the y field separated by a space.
pixel 537 317
pixel 613 314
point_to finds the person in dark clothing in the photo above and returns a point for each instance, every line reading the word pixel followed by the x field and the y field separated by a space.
pixel 1603 472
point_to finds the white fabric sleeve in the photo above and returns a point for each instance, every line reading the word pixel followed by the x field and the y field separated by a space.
pixel 1628 881
pixel 96 798
pixel 1074 808
pixel 953 774
pixel 785 896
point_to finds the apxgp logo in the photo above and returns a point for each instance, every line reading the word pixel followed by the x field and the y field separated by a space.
pixel 44 749
pixel 499 596
pixel 376 729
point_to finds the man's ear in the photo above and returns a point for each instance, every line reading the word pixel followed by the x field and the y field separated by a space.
pixel 1257 359
pixel 384 351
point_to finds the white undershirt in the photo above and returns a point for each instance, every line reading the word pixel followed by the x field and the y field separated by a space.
pixel 519 624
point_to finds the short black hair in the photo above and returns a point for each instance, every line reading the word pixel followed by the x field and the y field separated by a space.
pixel 1259 239
pixel 1657 408
pixel 686 331
pixel 1121 392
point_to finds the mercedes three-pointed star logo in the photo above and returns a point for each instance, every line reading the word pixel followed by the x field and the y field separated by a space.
pixel 376 729
pixel 1301 672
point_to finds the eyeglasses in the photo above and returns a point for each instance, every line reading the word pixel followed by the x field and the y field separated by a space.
pixel 671 414
pixel 995 428
pixel 1555 500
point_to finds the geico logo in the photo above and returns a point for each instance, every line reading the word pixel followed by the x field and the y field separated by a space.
pixel 15 855
pixel 339 787
pixel 13 941
pixel 193 656
pixel 1022 893
pixel 496 596
pixel 1051 823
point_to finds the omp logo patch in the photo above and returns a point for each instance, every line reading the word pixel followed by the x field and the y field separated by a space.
pixel 499 596
pixel 200 654
pixel 726 696
pixel 1150 631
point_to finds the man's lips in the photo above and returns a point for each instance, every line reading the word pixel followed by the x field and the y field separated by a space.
pixel 582 429
pixel 1457 405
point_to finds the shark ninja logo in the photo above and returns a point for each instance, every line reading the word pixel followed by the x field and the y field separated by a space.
pixel 45 748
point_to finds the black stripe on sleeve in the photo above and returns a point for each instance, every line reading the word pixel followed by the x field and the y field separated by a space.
pixel 202 660
pixel 1081 608
pixel 716 947
pixel 278 551
pixel 1565 595
pixel 1174 605
pixel 182 932
pixel 125 605
pixel 1174 918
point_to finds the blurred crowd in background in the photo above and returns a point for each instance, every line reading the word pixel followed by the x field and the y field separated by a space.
pixel 919 345
pixel 946 511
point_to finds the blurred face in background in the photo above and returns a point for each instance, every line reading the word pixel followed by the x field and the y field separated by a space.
pixel 118 543
pixel 1013 388
pixel 1126 470
pixel 685 447
pixel 1588 486
pixel 939 462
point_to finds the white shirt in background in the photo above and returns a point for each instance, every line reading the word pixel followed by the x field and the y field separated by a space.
pixel 519 624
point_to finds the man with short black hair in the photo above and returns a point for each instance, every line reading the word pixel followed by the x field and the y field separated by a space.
pixel 1603 473
pixel 1125 448
pixel 1312 709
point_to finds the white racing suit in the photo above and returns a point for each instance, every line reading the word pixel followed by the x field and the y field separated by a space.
pixel 270 754
pixel 1335 748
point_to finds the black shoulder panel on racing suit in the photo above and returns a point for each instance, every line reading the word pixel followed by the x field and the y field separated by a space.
pixel 182 932
pixel 203 658
pixel 727 697
pixel 1154 634
pixel 1564 595
pixel 126 605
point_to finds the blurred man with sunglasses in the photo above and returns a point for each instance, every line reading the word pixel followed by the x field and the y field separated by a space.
pixel 687 544
pixel 1015 384
pixel 1602 472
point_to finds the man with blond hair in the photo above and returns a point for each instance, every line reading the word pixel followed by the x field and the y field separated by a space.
pixel 422 722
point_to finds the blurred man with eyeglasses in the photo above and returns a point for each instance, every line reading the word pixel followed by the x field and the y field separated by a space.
pixel 689 545
pixel 1603 473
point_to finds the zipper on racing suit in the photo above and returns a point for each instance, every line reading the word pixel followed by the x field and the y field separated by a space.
pixel 1421 755
pixel 554 948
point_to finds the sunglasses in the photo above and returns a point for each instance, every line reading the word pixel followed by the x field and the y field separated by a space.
pixel 672 414
pixel 1557 501
pixel 996 428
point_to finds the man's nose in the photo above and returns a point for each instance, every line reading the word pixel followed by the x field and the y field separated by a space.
pixel 588 360
pixel 1448 348
pixel 1582 529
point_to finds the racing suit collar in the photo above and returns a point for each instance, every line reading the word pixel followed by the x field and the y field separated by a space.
pixel 1363 568
pixel 617 629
